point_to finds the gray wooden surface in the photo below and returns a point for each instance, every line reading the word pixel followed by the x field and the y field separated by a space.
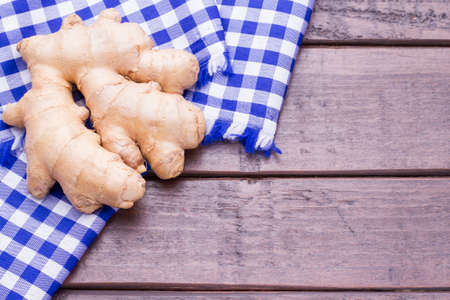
pixel 353 110
pixel 380 22
pixel 152 295
pixel 370 96
pixel 278 232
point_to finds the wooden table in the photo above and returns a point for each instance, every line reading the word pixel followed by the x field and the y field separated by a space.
pixel 357 207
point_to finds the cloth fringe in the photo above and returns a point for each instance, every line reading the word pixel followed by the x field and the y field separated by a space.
pixel 215 64
pixel 248 138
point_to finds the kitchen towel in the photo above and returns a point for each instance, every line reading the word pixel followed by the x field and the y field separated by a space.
pixel 263 39
pixel 41 241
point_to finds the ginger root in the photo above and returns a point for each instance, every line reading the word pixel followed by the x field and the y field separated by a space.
pixel 132 91
pixel 59 147
pixel 134 95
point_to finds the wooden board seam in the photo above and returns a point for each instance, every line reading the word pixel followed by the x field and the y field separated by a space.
pixel 378 43
pixel 388 173
pixel 198 287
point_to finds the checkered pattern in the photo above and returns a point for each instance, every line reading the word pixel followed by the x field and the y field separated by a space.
pixel 41 241
pixel 263 39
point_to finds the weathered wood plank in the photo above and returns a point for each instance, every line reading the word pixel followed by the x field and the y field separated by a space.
pixel 267 233
pixel 354 110
pixel 379 20
pixel 148 295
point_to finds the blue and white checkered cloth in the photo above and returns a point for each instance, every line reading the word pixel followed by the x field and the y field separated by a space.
pixel 41 241
pixel 263 39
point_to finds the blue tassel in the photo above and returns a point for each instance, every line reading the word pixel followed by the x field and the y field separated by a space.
pixel 249 138
pixel 273 148
pixel 204 76
pixel 217 132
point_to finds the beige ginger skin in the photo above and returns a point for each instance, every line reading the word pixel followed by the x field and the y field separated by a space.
pixel 134 96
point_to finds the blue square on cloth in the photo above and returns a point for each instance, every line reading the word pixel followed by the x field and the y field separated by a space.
pixel 18 92
pixel 65 225
pixel 235 80
pixel 46 3
pixel 149 12
pixel 5 260
pixel 85 13
pixel 71 262
pixel 3 39
pixel 2 223
pixel 197 46
pixel 161 37
pixel 30 274
pixel 54 24
pixel 89 237
pixel 255 3
pixel 111 3
pixel 176 3
pixel 249 27
pixel 41 213
pixel 242 53
pixel 212 12
pixel 285 6
pixel 277 31
pixel 258 110
pixel 27 31
pixel 229 104
pixel 188 23
pixel 225 23
pixel 20 6
pixel 9 67
pixel 15 199
pixel 264 84
pixel 47 249
pixel 13 296
pixel 270 57
pixel 200 98
pixel 54 287
pixel 106 213
pixel 228 2
pixel 22 236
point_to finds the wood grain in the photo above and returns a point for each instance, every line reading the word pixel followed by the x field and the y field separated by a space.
pixel 380 21
pixel 270 233
pixel 353 110
pixel 149 295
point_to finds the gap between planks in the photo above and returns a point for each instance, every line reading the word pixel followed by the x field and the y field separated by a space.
pixel 322 295
pixel 137 286
pixel 377 43
pixel 317 174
